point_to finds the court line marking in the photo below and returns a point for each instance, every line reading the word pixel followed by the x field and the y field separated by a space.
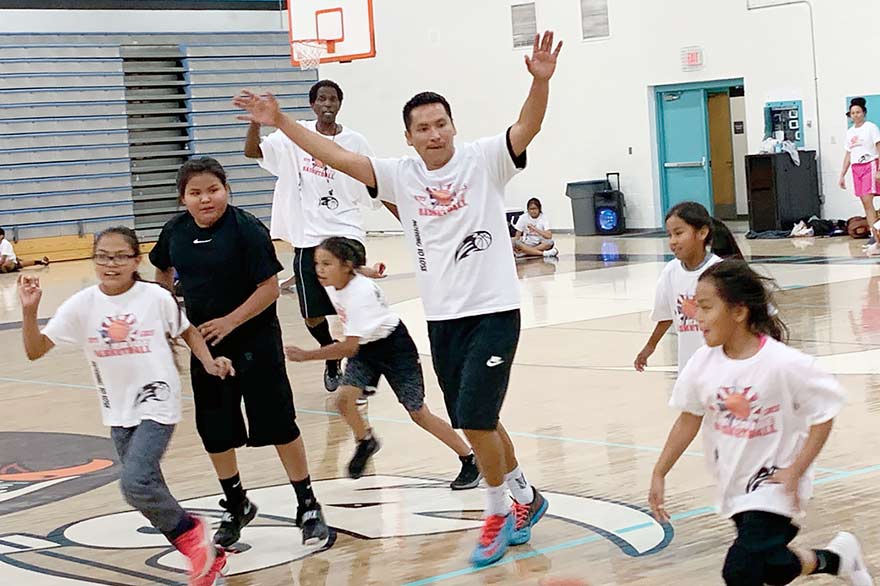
pixel 836 475
pixel 698 512
pixel 524 434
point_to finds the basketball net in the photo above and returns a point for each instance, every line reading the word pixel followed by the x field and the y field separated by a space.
pixel 308 53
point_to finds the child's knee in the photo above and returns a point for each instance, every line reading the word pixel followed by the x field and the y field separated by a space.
pixel 136 486
pixel 421 415
pixel 347 397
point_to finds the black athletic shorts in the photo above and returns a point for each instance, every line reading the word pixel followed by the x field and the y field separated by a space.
pixel 313 299
pixel 260 380
pixel 472 358
pixel 396 358
pixel 760 553
pixel 760 531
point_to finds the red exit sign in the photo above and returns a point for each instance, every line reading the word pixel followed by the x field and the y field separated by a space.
pixel 692 58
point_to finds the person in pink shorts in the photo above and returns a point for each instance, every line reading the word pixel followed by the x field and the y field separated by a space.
pixel 863 156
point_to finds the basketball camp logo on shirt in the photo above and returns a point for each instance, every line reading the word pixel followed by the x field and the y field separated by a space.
pixel 317 167
pixel 686 310
pixel 440 201
pixel 741 414
pixel 119 335
pixel 355 509
pixel 474 242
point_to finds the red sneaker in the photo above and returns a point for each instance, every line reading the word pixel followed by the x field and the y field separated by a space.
pixel 214 572
pixel 494 539
pixel 196 545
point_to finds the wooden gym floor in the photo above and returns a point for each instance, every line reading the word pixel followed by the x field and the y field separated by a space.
pixel 587 427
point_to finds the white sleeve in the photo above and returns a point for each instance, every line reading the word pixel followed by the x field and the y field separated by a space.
pixel 521 223
pixel 66 327
pixel 662 308
pixel 875 134
pixel 545 222
pixel 173 316
pixel 386 171
pixel 274 150
pixel 817 395
pixel 685 393
pixel 499 158
pixel 6 248
pixel 365 199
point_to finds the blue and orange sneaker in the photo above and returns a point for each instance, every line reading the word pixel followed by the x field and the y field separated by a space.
pixel 494 540
pixel 526 516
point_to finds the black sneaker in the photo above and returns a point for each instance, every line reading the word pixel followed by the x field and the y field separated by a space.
pixel 469 476
pixel 311 523
pixel 332 376
pixel 232 522
pixel 365 449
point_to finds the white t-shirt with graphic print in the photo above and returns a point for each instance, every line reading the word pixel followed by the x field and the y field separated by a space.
pixel 674 300
pixel 313 201
pixel 861 142
pixel 757 414
pixel 124 339
pixel 362 309
pixel 455 223
pixel 522 225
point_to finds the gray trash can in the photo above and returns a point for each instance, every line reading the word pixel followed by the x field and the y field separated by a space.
pixel 581 194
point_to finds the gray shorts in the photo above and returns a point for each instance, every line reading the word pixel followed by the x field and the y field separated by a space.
pixel 396 358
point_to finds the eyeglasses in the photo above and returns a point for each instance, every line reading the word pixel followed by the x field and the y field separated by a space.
pixel 116 259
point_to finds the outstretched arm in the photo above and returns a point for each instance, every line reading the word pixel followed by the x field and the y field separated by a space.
pixel 541 66
pixel 252 142
pixel 264 109
pixel 335 351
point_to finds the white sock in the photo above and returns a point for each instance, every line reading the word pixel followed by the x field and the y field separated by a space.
pixel 496 501
pixel 519 487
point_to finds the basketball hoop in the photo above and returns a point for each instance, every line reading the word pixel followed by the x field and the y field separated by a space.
pixel 308 52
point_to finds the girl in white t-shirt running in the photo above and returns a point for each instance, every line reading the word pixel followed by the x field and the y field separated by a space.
pixel 127 327
pixel 698 241
pixel 376 344
pixel 533 236
pixel 765 410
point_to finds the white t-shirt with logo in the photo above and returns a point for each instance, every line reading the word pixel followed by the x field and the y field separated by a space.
pixel 313 201
pixel 455 222
pixel 522 225
pixel 124 339
pixel 7 250
pixel 362 309
pixel 861 142
pixel 674 300
pixel 757 414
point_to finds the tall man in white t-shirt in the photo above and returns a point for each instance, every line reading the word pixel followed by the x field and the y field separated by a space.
pixel 313 202
pixel 451 204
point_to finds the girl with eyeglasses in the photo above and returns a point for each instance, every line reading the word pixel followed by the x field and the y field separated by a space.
pixel 128 328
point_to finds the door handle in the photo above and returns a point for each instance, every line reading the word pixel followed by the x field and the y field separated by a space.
pixel 700 163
